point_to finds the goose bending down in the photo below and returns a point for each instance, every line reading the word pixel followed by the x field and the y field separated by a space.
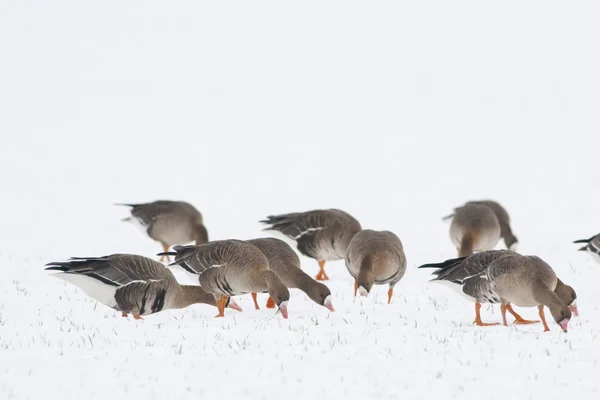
pixel 474 228
pixel 375 257
pixel 169 222
pixel 131 284
pixel 320 234
pixel 228 268
pixel 502 276
pixel 510 240
pixel 592 245
pixel 285 262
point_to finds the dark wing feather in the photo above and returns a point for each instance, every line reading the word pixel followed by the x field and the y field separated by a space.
pixel 197 259
pixel 115 269
pixel 296 225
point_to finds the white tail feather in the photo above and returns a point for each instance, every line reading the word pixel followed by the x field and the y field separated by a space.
pixel 97 290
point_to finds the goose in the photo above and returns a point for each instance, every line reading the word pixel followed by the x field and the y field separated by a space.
pixel 169 222
pixel 231 267
pixel 131 284
pixel 375 257
pixel 474 228
pixel 510 240
pixel 284 261
pixel 320 234
pixel 468 276
pixel 592 245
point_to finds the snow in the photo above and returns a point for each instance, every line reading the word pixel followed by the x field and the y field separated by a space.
pixel 395 112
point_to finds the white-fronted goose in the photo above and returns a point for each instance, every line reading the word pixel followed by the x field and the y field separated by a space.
pixel 169 222
pixel 228 268
pixel 131 284
pixel 477 278
pixel 592 245
pixel 375 257
pixel 474 228
pixel 320 234
pixel 510 240
pixel 285 262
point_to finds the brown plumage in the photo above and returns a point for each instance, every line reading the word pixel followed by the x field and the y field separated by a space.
pixel 474 228
pixel 169 222
pixel 228 268
pixel 320 234
pixel 285 262
pixel 375 257
pixel 131 284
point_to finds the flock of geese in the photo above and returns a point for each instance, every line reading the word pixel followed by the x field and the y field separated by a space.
pixel 137 285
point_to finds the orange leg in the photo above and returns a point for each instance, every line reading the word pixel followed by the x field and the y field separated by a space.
pixel 221 306
pixel 271 303
pixel 390 293
pixel 165 248
pixel 478 321
pixel 322 276
pixel 543 317
pixel 137 316
pixel 355 287
pixel 256 307
pixel 503 311
pixel 123 314
pixel 518 319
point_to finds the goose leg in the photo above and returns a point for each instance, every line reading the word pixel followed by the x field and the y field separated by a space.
pixel 137 316
pixel 165 248
pixel 322 276
pixel 221 306
pixel 256 307
pixel 123 314
pixel 355 287
pixel 478 320
pixel 271 303
pixel 543 317
pixel 503 311
pixel 518 319
pixel 390 293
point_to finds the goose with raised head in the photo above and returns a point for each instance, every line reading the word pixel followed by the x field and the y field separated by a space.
pixel 169 222
pixel 510 240
pixel 375 257
pixel 285 262
pixel 466 276
pixel 131 284
pixel 320 234
pixel 232 267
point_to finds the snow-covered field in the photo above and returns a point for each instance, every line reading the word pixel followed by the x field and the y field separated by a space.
pixel 393 112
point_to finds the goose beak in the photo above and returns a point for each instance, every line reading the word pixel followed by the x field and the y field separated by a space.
pixel 574 309
pixel 233 305
pixel 362 291
pixel 564 324
pixel 283 309
pixel 327 303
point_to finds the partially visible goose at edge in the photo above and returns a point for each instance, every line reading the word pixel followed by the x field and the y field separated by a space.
pixel 375 257
pixel 285 262
pixel 169 222
pixel 131 284
pixel 474 228
pixel 510 240
pixel 228 268
pixel 592 245
pixel 477 278
pixel 320 234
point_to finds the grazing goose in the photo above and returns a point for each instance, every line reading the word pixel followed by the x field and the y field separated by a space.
pixel 474 228
pixel 592 245
pixel 479 275
pixel 320 234
pixel 169 222
pixel 228 268
pixel 510 240
pixel 131 284
pixel 375 257
pixel 285 262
